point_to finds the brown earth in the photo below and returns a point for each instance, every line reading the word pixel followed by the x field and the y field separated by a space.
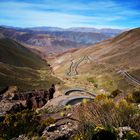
pixel 121 52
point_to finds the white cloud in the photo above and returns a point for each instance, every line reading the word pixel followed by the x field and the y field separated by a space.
pixel 54 13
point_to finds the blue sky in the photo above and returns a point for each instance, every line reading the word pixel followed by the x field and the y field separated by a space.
pixel 71 13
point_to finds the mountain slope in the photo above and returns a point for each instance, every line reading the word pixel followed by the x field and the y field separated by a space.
pixel 99 64
pixel 126 48
pixel 22 68
pixel 121 50
pixel 56 40
pixel 106 31
pixel 13 53
pixel 39 40
pixel 84 38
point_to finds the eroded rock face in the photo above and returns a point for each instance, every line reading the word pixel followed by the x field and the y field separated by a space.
pixel 62 131
pixel 34 99
pixel 17 101
pixel 7 106
pixel 4 90
pixel 16 108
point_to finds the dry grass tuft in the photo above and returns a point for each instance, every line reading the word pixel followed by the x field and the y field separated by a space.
pixel 106 114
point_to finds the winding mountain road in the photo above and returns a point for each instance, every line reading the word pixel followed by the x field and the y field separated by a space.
pixel 130 77
pixel 80 90
pixel 71 96
pixel 74 66
pixel 75 95
pixel 74 100
pixel 68 99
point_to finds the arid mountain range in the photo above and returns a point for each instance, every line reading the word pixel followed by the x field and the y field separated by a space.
pixel 51 40
pixel 20 67
pixel 121 52
pixel 93 80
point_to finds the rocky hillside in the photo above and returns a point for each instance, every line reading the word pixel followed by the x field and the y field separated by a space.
pixel 12 101
pixel 111 112
pixel 55 40
pixel 21 67
pixel 15 54
pixel 84 38
pixel 106 31
pixel 101 65
pixel 122 51
pixel 40 41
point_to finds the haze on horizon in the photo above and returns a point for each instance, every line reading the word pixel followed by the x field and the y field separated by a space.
pixel 70 13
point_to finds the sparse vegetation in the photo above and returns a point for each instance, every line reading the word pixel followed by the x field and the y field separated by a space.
pixel 100 97
pixel 48 122
pixel 115 93
pixel 134 96
pixel 131 135
pixel 91 79
pixel 21 67
pixel 113 115
pixel 14 125
pixel 26 123
pixel 106 116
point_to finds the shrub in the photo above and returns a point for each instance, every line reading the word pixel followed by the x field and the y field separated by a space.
pixel 78 137
pixel 125 112
pixel 67 107
pixel 115 93
pixel 62 114
pixel 85 101
pixel 96 85
pixel 95 114
pixel 49 121
pixel 101 133
pixel 132 135
pixel 39 138
pixel 25 122
pixel 100 97
pixel 129 98
pixel 136 96
pixel 135 123
pixel 107 114
pixel 91 79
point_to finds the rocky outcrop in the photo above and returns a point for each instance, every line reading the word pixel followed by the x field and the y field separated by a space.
pixel 7 106
pixel 35 98
pixel 62 131
pixel 11 102
pixel 16 108
pixel 4 90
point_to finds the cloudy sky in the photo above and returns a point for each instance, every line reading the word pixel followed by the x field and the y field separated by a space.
pixel 70 13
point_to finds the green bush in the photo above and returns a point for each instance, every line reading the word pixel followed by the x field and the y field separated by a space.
pixel 136 96
pixel 78 137
pixel 101 133
pixel 25 122
pixel 125 112
pixel 91 79
pixel 49 121
pixel 115 93
pixel 131 135
pixel 100 97
pixel 107 114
